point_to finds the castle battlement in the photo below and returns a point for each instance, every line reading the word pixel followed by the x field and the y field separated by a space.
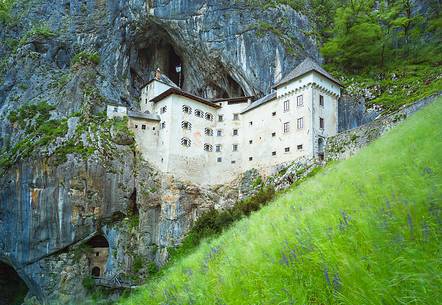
pixel 212 141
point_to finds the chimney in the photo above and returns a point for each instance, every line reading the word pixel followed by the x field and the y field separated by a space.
pixel 158 74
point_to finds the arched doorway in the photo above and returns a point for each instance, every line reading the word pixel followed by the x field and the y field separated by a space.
pixel 98 255
pixel 13 289
pixel 96 272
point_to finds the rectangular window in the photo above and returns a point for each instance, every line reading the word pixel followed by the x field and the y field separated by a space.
pixel 235 132
pixel 136 126
pixel 235 116
pixel 163 125
pixel 219 159
pixel 273 134
pixel 287 149
pixel 218 148
pixel 163 109
pixel 286 106
pixel 321 100
pixel 300 123
pixel 250 123
pixel 219 133
pixel 233 162
pixel 235 147
pixel 321 123
pixel 115 109
pixel 220 118
pixel 300 101
pixel 273 113
pixel 273 153
pixel 286 127
pixel 250 141
pixel 143 127
pixel 250 158
pixel 299 147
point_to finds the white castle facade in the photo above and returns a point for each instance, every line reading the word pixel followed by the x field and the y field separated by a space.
pixel 213 141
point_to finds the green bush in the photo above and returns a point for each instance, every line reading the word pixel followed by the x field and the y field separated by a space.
pixel 88 283
pixel 85 58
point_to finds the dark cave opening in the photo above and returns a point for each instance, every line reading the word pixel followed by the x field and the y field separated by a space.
pixel 157 50
pixel 13 289
pixel 98 241
pixel 133 208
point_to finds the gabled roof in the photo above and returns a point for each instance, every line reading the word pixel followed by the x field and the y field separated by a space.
pixel 163 79
pixel 261 101
pixel 306 66
pixel 180 92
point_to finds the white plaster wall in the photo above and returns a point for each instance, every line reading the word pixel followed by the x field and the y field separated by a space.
pixel 147 139
pixel 116 111
pixel 152 90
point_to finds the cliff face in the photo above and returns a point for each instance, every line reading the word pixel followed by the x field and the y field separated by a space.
pixel 48 206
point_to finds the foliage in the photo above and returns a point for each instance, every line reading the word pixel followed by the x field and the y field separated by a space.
pixel 88 283
pixel 85 58
pixel 375 237
pixel 5 10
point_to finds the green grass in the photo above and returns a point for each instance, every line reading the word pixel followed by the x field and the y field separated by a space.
pixel 363 231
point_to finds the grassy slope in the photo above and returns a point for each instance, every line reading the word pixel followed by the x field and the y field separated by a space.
pixel 365 231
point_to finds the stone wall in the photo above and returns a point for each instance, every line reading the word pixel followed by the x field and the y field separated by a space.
pixel 349 142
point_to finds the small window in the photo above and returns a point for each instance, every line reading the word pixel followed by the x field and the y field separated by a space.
pixel 219 133
pixel 300 101
pixel 153 128
pixel 208 147
pixel 299 147
pixel 220 118
pixel 163 125
pixel 274 113
pixel 286 127
pixel 218 148
pixel 286 106
pixel 199 113
pixel 251 123
pixel 143 127
pixel 136 125
pixel 187 109
pixel 287 149
pixel 208 132
pixel 186 125
pixel 273 134
pixel 250 158
pixel 115 109
pixel 250 141
pixel 235 116
pixel 321 123
pixel 235 147
pixel 219 159
pixel 186 142
pixel 273 153
pixel 209 116
pixel 163 109
pixel 321 100
pixel 235 132
pixel 233 162
pixel 97 253
pixel 300 123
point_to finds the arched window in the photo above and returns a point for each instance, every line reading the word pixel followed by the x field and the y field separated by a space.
pixel 186 125
pixel 209 116
pixel 96 272
pixel 199 113
pixel 208 131
pixel 208 147
pixel 187 109
pixel 186 142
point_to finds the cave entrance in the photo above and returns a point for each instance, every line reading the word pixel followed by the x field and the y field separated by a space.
pixel 13 289
pixel 156 49
pixel 98 255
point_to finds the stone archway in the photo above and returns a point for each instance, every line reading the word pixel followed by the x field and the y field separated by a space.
pixel 98 255
pixel 13 289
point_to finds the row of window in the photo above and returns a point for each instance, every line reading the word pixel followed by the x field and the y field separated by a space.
pixel 198 113
pixel 287 149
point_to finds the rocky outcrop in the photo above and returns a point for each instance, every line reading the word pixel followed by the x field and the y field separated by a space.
pixel 347 143
pixel 352 113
